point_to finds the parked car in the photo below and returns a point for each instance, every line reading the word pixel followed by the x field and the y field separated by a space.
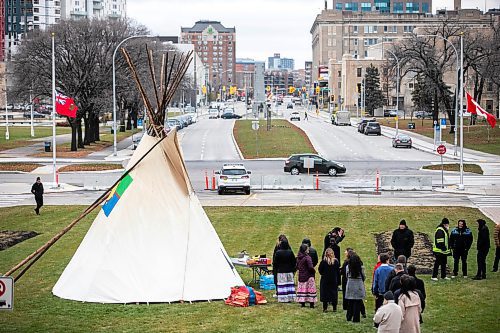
pixel 289 106
pixel 295 116
pixel 422 114
pixel 372 127
pixel 401 140
pixel 362 124
pixel 233 177
pixel 341 118
pixel 172 124
pixel 213 113
pixel 295 165
pixel 176 122
pixel 230 115
pixel 27 115
pixel 390 113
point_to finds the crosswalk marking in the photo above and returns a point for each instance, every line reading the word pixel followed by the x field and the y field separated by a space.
pixel 8 200
pixel 486 201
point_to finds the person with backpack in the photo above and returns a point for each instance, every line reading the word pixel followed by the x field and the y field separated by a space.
pixel 460 243
pixel 329 270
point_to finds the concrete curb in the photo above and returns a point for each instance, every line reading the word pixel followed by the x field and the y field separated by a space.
pixel 236 145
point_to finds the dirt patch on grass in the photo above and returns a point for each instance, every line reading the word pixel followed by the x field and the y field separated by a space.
pixel 64 150
pixel 24 167
pixel 474 168
pixel 422 256
pixel 10 238
pixel 90 167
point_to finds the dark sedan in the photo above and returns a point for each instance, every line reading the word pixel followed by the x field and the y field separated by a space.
pixel 230 115
pixel 401 140
pixel 373 128
pixel 298 163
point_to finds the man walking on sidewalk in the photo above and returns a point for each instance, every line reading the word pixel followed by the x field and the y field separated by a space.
pixel 37 190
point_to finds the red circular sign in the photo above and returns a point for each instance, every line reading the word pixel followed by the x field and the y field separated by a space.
pixel 2 288
pixel 441 149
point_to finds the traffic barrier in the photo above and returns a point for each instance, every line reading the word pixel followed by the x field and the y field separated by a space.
pixel 206 180
pixel 406 183
pixel 377 182
pixel 317 180
pixel 213 180
pixel 57 177
pixel 283 182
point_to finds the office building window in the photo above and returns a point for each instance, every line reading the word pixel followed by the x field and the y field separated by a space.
pixel 353 6
pixel 398 7
pixel 366 7
pixel 412 7
pixel 383 6
pixel 338 6
pixel 425 7
pixel 408 28
pixel 355 42
pixel 355 29
pixel 358 71
pixel 370 29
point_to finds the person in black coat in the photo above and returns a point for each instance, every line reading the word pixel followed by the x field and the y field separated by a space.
pixel 284 266
pixel 37 190
pixel 329 271
pixel 460 243
pixel 312 251
pixel 402 240
pixel 395 283
pixel 343 274
pixel 483 247
pixel 332 240
pixel 281 238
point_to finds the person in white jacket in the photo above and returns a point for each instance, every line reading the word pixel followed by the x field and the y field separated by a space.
pixel 389 315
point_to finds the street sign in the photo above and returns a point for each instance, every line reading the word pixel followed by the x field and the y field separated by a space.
pixel 441 149
pixel 255 125
pixel 443 123
pixel 6 293
pixel 140 123
pixel 308 163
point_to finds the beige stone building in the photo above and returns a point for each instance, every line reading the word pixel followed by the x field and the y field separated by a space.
pixel 347 42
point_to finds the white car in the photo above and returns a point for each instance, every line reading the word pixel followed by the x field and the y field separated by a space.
pixel 213 113
pixel 233 177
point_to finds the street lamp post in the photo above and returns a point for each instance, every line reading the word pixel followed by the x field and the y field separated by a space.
pixel 114 87
pixel 7 135
pixel 458 84
pixel 397 89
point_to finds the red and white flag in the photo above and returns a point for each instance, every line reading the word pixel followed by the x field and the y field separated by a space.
pixel 474 107
pixel 65 105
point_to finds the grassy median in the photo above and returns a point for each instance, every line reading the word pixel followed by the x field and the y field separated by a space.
pixel 20 136
pixel 283 140
pixel 474 168
pixel 475 137
pixel 455 306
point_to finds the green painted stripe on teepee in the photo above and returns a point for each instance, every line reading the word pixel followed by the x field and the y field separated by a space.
pixel 124 184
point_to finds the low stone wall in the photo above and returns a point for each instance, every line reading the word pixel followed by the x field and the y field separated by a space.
pixel 285 182
pixel 406 183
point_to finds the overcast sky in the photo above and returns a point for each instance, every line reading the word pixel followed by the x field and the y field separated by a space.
pixel 263 27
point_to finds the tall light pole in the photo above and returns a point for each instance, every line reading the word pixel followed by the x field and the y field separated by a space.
pixel 461 185
pixel 397 89
pixel 7 135
pixel 459 83
pixel 114 86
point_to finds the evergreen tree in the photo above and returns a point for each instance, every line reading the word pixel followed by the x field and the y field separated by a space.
pixel 373 93
pixel 421 94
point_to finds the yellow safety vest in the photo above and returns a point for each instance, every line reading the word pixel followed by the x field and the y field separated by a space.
pixel 441 240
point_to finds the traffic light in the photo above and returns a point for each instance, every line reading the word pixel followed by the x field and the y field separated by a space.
pixel 291 89
pixel 332 98
pixel 268 88
pixel 317 90
pixel 204 90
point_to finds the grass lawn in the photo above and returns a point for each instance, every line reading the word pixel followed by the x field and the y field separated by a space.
pixel 475 137
pixel 474 168
pixel 64 150
pixel 452 306
pixel 283 140
pixel 24 167
pixel 20 136
pixel 90 167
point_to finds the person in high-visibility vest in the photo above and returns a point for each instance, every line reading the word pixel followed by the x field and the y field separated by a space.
pixel 441 249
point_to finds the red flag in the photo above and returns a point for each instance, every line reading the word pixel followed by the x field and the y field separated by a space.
pixel 474 107
pixel 65 105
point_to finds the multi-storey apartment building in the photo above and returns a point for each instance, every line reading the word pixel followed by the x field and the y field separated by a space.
pixel 339 33
pixel 384 6
pixel 245 75
pixel 216 47
pixel 18 21
pixel 276 62
pixel 75 9
pixel 2 30
pixel 278 81
pixel 46 13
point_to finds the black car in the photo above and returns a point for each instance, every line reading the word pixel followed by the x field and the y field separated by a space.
pixel 27 115
pixel 362 124
pixel 230 115
pixel 295 165
pixel 372 127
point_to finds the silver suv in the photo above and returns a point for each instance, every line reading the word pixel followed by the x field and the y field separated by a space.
pixel 233 177
pixel 422 114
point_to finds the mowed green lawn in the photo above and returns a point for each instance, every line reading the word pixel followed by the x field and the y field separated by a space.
pixel 475 137
pixel 283 140
pixel 20 136
pixel 452 306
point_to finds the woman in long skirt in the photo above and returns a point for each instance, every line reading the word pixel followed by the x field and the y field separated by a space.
pixel 284 266
pixel 306 288
pixel 329 270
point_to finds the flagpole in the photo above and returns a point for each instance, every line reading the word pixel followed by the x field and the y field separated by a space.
pixel 461 185
pixel 54 165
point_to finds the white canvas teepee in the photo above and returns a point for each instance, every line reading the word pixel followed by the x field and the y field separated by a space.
pixel 152 241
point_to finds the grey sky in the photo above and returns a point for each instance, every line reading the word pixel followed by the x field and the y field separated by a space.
pixel 263 27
